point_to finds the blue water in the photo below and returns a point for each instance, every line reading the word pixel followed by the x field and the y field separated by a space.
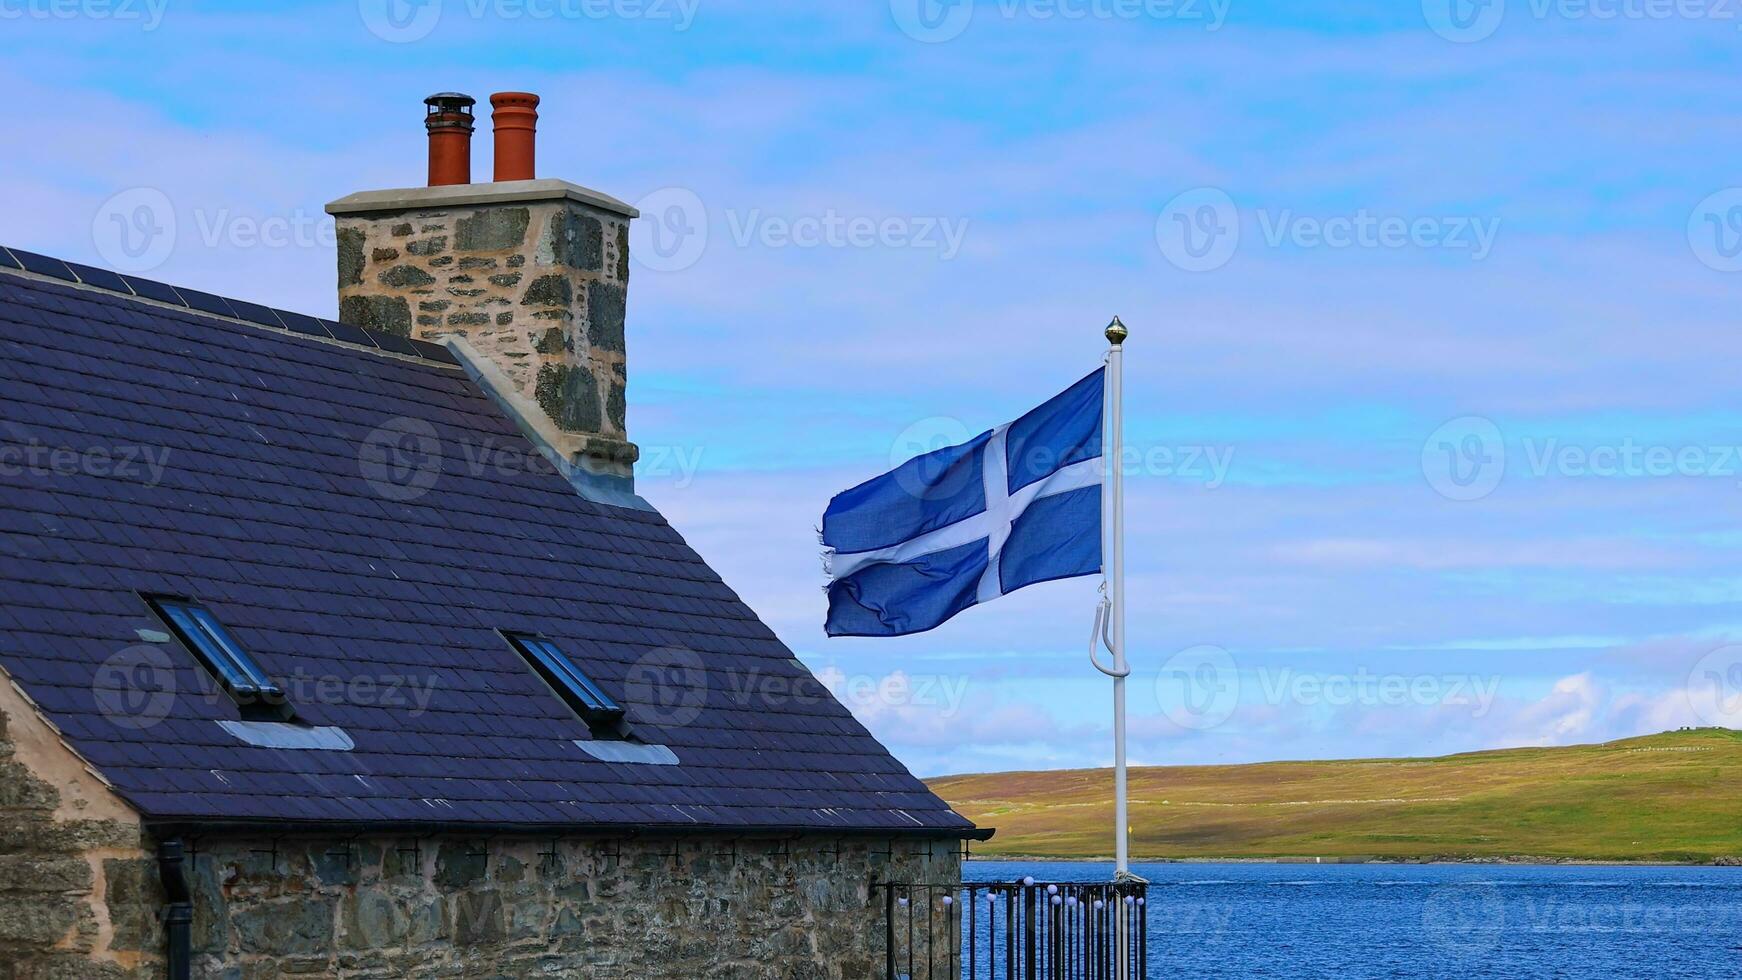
pixel 1305 922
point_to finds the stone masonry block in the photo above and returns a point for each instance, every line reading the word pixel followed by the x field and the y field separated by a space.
pixel 351 244
pixel 577 240
pixel 388 314
pixel 495 230
pixel 605 315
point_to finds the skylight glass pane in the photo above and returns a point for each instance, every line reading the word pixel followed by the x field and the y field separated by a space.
pixel 232 650
pixel 576 687
pixel 216 647
pixel 214 656
pixel 543 654
pixel 583 684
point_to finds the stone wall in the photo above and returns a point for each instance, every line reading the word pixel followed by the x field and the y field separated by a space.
pixel 79 898
pixel 643 910
pixel 538 287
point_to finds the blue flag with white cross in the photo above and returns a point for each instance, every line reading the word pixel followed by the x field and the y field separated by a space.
pixel 966 524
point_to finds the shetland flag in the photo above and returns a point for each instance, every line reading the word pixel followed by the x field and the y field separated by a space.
pixel 964 525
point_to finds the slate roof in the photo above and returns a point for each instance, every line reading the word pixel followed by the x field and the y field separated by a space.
pixel 263 511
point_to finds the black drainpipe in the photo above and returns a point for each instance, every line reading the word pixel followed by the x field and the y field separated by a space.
pixel 178 913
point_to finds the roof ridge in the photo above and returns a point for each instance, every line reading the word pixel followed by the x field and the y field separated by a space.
pixel 239 311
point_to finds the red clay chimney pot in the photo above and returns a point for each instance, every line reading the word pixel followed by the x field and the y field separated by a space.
pixel 516 119
pixel 449 121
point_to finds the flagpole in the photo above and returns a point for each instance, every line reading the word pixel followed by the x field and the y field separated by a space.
pixel 1115 517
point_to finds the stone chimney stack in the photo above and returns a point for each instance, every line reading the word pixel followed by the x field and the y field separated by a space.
pixel 529 276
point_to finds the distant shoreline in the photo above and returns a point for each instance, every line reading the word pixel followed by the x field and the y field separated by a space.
pixel 1720 862
pixel 1668 800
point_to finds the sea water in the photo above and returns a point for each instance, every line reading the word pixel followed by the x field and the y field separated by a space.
pixel 1311 921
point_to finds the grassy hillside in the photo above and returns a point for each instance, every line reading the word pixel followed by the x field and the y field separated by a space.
pixel 1670 797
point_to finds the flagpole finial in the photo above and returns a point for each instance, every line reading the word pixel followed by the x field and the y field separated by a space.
pixel 1116 332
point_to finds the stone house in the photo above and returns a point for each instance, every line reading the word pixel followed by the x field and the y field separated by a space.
pixel 346 648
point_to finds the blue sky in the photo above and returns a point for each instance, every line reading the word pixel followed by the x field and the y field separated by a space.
pixel 1432 376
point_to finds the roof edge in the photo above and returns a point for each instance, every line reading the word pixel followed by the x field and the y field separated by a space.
pixel 609 481
pixel 34 267
pixel 174 826
pixel 44 751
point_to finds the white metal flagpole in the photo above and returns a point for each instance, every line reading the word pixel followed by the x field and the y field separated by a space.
pixel 1109 628
pixel 1113 528
pixel 1115 519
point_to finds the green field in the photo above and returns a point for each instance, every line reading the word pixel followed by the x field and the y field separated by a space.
pixel 1674 797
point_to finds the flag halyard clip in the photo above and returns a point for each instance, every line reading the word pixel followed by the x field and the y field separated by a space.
pixel 1098 637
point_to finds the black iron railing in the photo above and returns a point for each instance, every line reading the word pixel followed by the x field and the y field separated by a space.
pixel 1024 930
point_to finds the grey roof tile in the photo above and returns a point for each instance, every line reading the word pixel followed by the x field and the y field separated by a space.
pixel 262 510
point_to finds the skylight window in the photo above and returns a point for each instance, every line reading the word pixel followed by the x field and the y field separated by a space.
pixel 593 705
pixel 223 657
